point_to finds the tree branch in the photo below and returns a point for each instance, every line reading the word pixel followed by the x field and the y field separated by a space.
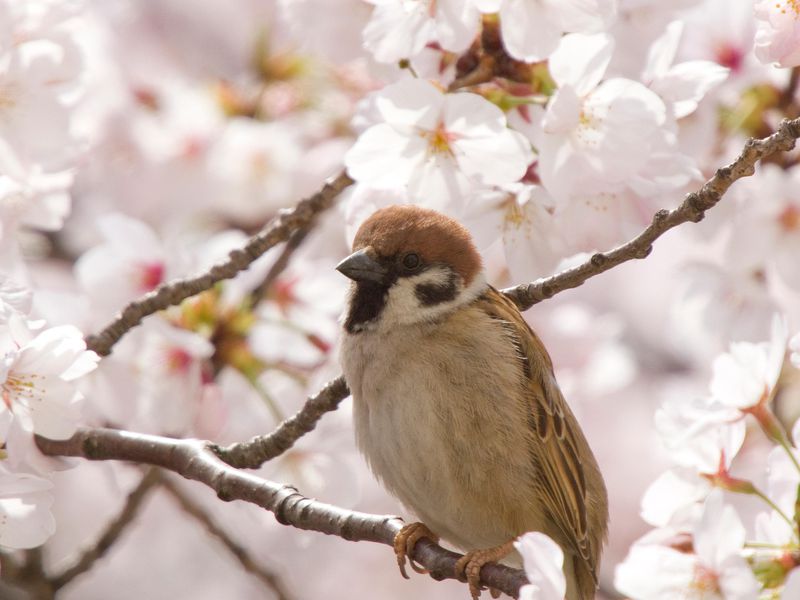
pixel 169 294
pixel 271 580
pixel 255 452
pixel 201 461
pixel 691 209
pixel 280 264
pixel 193 460
pixel 112 532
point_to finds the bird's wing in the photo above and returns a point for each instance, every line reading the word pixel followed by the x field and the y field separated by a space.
pixel 561 472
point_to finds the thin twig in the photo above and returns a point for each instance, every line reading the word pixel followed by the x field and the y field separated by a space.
pixel 174 292
pixel 193 460
pixel 112 532
pixel 255 452
pixel 279 266
pixel 693 209
pixel 269 579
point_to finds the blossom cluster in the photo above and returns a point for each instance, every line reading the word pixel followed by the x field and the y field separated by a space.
pixel 143 140
pixel 700 542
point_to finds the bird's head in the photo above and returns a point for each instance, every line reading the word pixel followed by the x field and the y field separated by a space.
pixel 410 265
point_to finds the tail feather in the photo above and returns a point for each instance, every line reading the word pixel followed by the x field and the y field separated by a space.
pixel 581 584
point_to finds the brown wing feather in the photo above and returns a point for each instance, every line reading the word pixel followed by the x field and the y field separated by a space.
pixel 569 477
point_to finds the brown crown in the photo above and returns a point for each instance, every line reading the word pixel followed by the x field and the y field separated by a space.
pixel 397 229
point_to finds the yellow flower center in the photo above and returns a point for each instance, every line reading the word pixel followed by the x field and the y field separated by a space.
pixel 439 140
pixel 706 581
pixel 22 388
pixel 789 6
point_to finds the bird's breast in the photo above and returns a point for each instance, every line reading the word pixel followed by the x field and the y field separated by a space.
pixel 440 417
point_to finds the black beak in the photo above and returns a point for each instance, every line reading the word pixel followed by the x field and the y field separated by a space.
pixel 360 266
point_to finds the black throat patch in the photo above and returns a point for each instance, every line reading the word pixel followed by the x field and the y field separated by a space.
pixel 367 300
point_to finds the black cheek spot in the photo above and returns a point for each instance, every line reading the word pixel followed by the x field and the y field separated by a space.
pixel 430 294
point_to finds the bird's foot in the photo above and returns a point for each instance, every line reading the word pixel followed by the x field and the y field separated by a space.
pixel 404 543
pixel 470 565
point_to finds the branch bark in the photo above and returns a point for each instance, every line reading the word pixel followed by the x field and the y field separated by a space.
pixel 202 461
pixel 255 452
pixel 692 209
pixel 193 460
pixel 174 292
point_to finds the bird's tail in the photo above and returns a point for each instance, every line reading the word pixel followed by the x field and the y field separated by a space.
pixel 581 584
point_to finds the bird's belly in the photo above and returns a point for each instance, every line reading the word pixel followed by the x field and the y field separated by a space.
pixel 449 442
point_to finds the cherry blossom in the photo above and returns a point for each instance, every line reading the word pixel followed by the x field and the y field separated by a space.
pixel 745 377
pixel 401 28
pixel 715 569
pixel 125 141
pixel 680 85
pixel 175 373
pixel 32 81
pixel 700 433
pixel 14 299
pixel 701 436
pixel 767 228
pixel 441 146
pixel 336 30
pixel 594 134
pixel 532 28
pixel 778 34
pixel 25 517
pixel 39 372
pixel 132 260
pixel 543 560
pixel 255 164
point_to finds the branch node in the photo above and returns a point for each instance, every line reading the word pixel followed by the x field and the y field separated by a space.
pixel 660 216
pixel 599 259
pixel 724 172
pixel 91 450
pixel 281 507
pixel 646 250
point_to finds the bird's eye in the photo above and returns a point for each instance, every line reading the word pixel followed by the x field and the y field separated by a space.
pixel 411 261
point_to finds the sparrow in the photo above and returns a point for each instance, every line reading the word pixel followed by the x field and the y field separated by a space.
pixel 456 406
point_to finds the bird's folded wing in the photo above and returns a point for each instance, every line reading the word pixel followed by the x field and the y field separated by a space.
pixel 561 476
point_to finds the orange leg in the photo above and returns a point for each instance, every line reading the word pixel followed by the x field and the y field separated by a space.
pixel 404 543
pixel 470 565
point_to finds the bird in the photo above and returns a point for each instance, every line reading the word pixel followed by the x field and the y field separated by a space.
pixel 456 406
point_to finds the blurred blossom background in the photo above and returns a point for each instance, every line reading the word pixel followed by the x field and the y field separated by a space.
pixel 143 140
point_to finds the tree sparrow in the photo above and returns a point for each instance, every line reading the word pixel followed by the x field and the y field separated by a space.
pixel 456 406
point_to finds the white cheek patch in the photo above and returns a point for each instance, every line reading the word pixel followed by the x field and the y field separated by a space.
pixel 405 304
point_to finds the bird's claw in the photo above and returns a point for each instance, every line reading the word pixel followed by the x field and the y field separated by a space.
pixel 404 543
pixel 469 566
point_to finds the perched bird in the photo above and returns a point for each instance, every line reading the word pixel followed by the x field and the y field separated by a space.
pixel 456 406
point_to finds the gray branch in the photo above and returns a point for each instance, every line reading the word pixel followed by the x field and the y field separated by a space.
pixel 693 209
pixel 193 460
pixel 174 292
pixel 201 461
pixel 255 452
